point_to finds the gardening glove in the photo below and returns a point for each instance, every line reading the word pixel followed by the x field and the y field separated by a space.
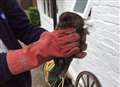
pixel 59 43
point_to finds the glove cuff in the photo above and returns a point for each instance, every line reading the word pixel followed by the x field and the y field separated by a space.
pixel 20 61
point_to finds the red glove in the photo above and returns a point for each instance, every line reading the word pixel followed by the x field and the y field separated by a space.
pixel 60 43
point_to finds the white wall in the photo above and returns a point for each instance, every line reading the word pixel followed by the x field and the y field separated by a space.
pixel 65 5
pixel 103 41
pixel 103 44
pixel 46 22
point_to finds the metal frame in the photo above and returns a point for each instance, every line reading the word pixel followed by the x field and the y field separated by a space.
pixel 86 11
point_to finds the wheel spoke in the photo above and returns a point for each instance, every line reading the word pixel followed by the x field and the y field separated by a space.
pixel 88 80
pixel 92 85
pixel 83 81
pixel 79 85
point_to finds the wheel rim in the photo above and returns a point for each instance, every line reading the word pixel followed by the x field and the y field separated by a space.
pixel 87 79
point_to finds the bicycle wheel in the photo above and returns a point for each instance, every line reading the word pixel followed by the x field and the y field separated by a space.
pixel 87 79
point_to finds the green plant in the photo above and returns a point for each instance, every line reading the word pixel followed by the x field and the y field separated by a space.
pixel 34 16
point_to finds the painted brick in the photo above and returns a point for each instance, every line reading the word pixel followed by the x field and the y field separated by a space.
pixel 96 2
pixel 105 17
pixel 103 45
pixel 105 41
pixel 106 10
pixel 112 3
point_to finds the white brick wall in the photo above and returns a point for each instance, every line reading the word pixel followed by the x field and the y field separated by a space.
pixel 103 41
pixel 103 44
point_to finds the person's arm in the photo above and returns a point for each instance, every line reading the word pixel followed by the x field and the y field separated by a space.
pixel 50 45
pixel 5 74
pixel 20 23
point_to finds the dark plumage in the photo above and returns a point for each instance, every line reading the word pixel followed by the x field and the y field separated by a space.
pixel 67 20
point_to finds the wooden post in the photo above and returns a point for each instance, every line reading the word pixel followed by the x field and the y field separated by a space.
pixel 54 6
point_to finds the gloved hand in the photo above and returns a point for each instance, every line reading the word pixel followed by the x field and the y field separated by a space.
pixel 59 43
